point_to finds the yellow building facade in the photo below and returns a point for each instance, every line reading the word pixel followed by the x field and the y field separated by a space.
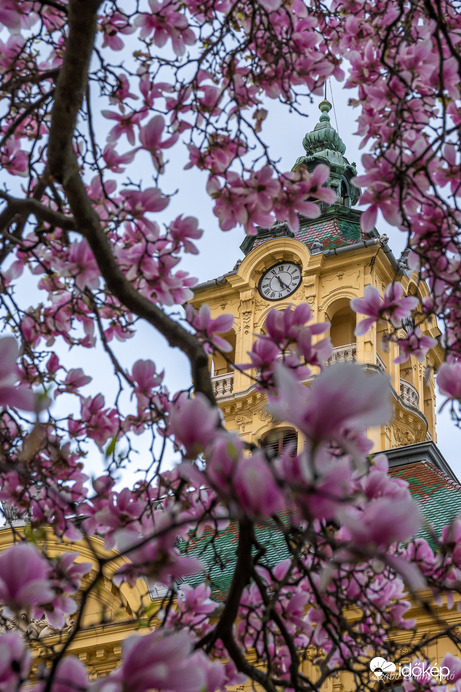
pixel 329 281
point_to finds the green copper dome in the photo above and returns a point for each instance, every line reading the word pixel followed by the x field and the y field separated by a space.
pixel 324 145
pixel 324 137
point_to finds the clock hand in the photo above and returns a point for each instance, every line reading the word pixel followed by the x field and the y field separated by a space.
pixel 282 283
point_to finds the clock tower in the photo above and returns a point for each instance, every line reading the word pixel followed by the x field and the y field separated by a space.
pixel 325 263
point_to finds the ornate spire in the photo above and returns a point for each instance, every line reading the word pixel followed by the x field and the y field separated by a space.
pixel 324 145
pixel 323 137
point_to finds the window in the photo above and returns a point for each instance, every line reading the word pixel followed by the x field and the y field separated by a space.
pixel 221 364
pixel 277 441
pixel 342 327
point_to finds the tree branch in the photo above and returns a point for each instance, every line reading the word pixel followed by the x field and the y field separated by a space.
pixel 224 628
pixel 24 207
pixel 63 167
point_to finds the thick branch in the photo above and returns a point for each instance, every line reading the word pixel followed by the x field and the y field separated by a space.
pixel 224 628
pixel 24 207
pixel 62 166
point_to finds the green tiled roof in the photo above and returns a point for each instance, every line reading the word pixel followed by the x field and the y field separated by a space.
pixel 337 226
pixel 332 232
pixel 220 553
pixel 438 496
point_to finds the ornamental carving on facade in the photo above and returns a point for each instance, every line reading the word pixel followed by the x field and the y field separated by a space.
pixel 247 319
pixel 34 629
pixel 403 436
pixel 242 420
pixel 267 417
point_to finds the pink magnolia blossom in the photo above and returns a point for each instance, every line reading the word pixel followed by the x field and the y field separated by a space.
pixel 449 173
pixel 24 578
pixel 116 162
pixel 247 203
pixel 122 92
pixel 209 328
pixel 393 306
pixel 260 198
pixel 342 396
pixel 125 125
pixel 451 539
pixel 453 665
pixel 264 354
pixel 10 393
pixel 65 577
pixel 166 21
pixel 414 343
pixel 139 202
pixel 14 159
pixel 122 510
pixel 101 423
pixel 10 49
pixel 297 189
pixel 15 661
pixel 82 266
pixel 196 601
pixel 185 229
pixel 160 661
pixel 194 423
pixel 287 325
pixel 318 484
pixel 150 137
pixel 75 379
pixel 146 379
pixel 112 27
pixel 270 5
pixel 14 17
pixel 71 676
pixel 14 271
pixel 383 522
pixel 378 483
pixel 449 380
pixel 256 487
pixel 222 460
pixel 157 560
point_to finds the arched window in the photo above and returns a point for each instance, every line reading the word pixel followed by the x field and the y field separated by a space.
pixel 222 364
pixel 277 441
pixel 342 327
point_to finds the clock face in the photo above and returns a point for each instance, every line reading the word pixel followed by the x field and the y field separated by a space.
pixel 280 281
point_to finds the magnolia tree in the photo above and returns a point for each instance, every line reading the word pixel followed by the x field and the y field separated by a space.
pixel 196 76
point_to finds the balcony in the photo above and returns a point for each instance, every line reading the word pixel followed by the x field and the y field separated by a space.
pixel 343 353
pixel 223 385
pixel 409 394
pixel 380 363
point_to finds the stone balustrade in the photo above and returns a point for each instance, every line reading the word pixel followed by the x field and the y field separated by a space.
pixel 344 353
pixel 409 394
pixel 223 385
